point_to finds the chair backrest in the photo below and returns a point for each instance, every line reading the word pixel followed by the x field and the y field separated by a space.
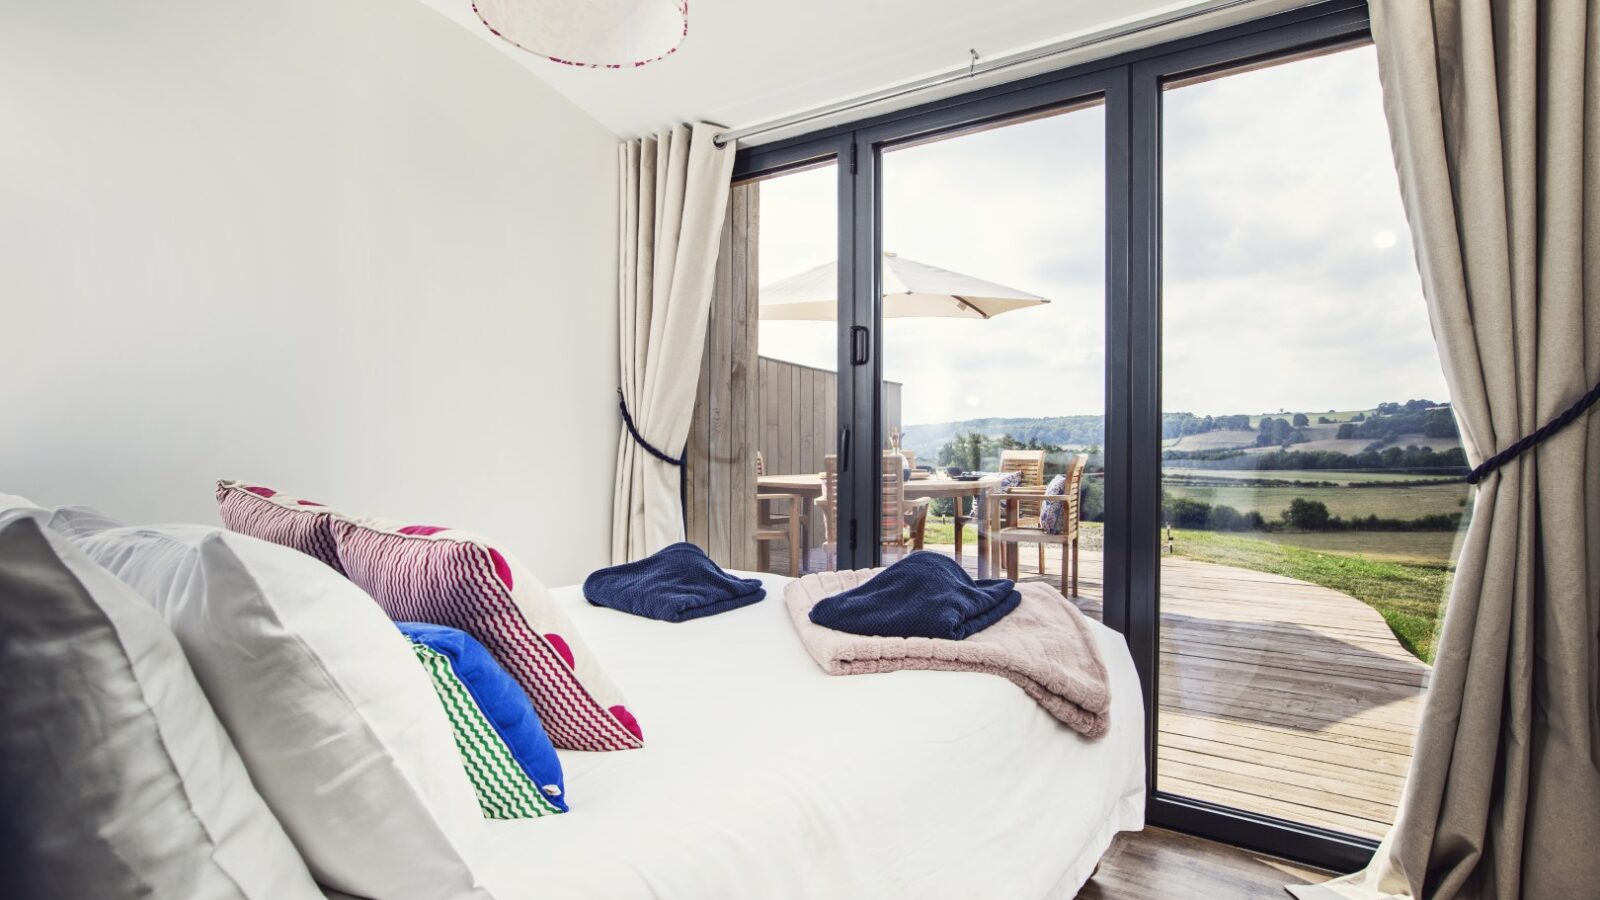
pixel 1030 464
pixel 892 509
pixel 828 503
pixel 1073 491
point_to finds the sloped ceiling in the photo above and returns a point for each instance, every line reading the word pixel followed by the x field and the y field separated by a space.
pixel 746 61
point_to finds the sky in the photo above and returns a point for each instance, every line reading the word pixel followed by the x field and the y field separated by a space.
pixel 1289 281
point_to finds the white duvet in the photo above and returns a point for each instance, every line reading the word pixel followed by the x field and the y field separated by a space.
pixel 762 777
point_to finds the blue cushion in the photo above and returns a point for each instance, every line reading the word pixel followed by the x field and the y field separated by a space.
pixel 508 757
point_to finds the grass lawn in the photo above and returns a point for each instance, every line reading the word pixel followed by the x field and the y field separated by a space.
pixel 1408 595
pixel 1425 548
pixel 1347 502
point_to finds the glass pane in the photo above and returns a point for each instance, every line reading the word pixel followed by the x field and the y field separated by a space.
pixel 797 422
pixel 994 347
pixel 1311 466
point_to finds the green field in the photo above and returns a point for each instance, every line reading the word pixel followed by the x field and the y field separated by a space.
pixel 1346 502
pixel 1352 476
pixel 1409 595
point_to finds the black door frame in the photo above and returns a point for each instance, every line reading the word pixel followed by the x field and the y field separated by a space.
pixel 1130 87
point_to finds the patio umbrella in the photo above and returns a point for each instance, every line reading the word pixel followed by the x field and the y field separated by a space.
pixel 910 290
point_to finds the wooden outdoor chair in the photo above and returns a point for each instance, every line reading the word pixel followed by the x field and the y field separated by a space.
pixel 904 522
pixel 778 518
pixel 1007 529
pixel 1030 465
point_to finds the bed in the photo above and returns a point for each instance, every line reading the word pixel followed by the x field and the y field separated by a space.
pixel 762 777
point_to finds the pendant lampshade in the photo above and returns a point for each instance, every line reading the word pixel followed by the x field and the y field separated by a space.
pixel 600 34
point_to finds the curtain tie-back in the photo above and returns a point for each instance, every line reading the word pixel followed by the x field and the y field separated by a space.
pixel 622 404
pixel 1533 440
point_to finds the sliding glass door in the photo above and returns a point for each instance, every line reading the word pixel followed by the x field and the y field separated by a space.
pixel 1187 271
pixel 1311 490
pixel 993 273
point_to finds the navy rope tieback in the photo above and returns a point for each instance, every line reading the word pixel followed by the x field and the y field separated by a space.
pixel 622 404
pixel 1538 437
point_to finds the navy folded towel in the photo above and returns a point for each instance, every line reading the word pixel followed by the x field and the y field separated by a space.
pixel 676 584
pixel 924 595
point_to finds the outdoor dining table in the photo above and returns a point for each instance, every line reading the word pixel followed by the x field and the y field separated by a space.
pixel 808 486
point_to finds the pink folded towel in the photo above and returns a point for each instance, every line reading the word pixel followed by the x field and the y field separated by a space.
pixel 1044 647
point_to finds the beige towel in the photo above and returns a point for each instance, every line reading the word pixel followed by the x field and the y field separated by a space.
pixel 1044 647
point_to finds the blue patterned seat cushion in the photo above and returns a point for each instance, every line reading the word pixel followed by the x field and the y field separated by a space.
pixel 1050 513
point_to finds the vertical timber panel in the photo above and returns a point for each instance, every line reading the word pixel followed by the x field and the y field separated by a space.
pixel 728 411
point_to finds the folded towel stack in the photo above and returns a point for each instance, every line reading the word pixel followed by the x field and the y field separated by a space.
pixel 924 595
pixel 675 584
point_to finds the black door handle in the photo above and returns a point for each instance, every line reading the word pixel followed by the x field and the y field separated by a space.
pixel 860 345
pixel 844 448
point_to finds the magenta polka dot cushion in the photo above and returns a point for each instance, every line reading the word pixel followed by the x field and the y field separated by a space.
pixel 264 513
pixel 442 576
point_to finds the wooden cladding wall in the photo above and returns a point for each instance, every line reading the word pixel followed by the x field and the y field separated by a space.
pixel 746 403
pixel 720 457
pixel 799 419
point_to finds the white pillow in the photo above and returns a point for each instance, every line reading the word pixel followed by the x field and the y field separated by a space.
pixel 116 779
pixel 77 521
pixel 12 501
pixel 338 724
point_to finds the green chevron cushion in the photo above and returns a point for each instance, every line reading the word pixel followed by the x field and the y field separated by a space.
pixel 507 755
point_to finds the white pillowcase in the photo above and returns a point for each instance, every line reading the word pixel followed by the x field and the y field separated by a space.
pixel 116 779
pixel 70 521
pixel 78 521
pixel 337 723
pixel 12 501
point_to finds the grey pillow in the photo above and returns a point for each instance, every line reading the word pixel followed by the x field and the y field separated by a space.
pixel 116 779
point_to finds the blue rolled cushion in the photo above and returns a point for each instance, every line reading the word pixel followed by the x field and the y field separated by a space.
pixel 924 595
pixel 509 759
pixel 675 584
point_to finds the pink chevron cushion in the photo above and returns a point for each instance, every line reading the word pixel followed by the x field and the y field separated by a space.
pixel 425 573
pixel 264 513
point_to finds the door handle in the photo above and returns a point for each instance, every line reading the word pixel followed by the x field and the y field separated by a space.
pixel 860 345
pixel 844 448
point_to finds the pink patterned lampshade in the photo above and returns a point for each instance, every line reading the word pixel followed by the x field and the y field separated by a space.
pixel 597 34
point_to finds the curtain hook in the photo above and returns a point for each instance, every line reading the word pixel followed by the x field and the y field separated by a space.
pixel 972 68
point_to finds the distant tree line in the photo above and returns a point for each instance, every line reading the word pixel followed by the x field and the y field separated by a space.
pixel 1387 458
pixel 1437 422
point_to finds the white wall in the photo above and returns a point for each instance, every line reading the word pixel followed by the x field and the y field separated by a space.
pixel 342 248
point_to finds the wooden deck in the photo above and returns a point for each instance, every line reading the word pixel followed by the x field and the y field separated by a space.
pixel 1277 696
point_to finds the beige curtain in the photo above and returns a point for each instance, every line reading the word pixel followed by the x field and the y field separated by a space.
pixel 674 195
pixel 1494 112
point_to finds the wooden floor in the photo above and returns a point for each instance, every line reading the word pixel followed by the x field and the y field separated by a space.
pixel 1277 696
pixel 1163 865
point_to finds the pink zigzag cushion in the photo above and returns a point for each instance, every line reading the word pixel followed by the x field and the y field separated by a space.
pixel 264 513
pixel 424 573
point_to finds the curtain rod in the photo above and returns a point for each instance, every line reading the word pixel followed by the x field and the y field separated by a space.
pixel 976 68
